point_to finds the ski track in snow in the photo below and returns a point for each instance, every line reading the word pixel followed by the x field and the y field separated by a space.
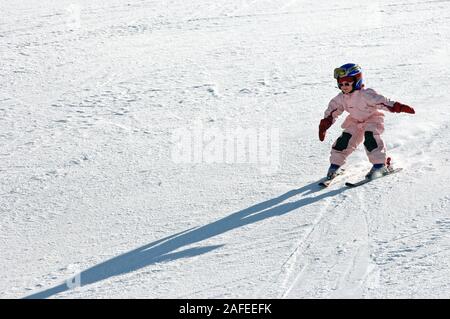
pixel 92 93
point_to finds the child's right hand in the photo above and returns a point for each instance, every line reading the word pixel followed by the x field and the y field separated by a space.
pixel 324 125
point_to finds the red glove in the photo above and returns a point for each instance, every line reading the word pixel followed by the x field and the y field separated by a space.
pixel 324 125
pixel 402 108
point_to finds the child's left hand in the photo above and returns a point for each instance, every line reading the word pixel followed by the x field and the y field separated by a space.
pixel 402 108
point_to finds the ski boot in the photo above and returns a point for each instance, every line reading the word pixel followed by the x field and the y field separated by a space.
pixel 333 171
pixel 378 170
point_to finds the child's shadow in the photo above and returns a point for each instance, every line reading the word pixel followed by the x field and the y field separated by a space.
pixel 168 248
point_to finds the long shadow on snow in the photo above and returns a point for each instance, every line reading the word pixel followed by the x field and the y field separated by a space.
pixel 163 250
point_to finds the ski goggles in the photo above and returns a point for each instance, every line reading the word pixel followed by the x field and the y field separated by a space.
pixel 341 72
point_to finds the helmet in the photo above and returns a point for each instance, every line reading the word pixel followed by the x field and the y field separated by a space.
pixel 350 70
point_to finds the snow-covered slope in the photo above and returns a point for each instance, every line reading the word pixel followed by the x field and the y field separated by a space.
pixel 98 99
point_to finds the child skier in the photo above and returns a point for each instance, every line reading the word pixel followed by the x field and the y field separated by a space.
pixel 365 121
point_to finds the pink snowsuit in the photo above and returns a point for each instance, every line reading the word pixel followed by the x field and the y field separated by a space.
pixel 365 122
